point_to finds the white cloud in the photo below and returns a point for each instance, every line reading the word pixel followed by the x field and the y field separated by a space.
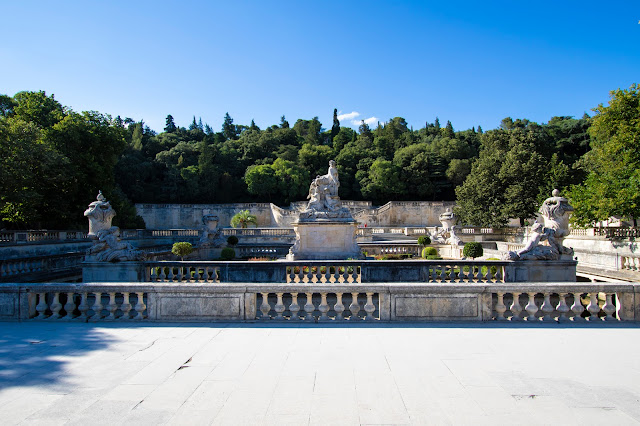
pixel 371 121
pixel 349 116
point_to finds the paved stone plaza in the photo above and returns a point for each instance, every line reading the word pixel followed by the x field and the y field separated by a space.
pixel 72 373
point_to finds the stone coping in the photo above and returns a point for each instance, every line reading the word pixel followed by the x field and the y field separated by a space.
pixel 443 288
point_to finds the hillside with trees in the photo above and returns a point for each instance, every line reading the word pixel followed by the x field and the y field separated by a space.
pixel 54 160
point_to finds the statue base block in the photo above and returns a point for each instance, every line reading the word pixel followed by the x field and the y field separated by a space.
pixel 324 240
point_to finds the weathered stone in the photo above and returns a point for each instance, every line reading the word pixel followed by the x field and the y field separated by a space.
pixel 436 306
pixel 182 306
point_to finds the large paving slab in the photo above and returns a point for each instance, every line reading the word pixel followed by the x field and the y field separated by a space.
pixel 57 373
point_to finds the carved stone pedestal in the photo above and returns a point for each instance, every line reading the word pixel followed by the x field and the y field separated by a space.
pixel 319 240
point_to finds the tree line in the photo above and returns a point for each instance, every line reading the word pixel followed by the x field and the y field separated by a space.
pixel 53 161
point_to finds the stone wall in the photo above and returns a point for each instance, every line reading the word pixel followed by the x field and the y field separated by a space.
pixel 189 216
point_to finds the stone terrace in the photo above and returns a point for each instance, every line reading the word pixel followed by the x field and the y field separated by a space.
pixel 409 373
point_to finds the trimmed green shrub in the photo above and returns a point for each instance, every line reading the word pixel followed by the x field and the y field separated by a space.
pixel 472 250
pixel 182 249
pixel 424 240
pixel 232 240
pixel 433 257
pixel 227 253
pixel 429 251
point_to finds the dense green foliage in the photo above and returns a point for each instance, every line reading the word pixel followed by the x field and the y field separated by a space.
pixel 472 249
pixel 232 240
pixel 182 249
pixel 54 160
pixel 612 186
pixel 424 240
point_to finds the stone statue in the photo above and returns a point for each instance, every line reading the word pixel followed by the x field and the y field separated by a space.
pixel 107 246
pixel 211 235
pixel 447 234
pixel 100 214
pixel 555 212
pixel 324 202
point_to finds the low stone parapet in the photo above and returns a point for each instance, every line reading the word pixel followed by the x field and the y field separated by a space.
pixel 529 302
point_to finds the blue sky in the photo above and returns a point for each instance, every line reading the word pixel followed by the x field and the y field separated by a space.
pixel 470 62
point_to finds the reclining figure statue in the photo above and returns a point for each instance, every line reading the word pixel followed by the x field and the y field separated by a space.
pixel 555 212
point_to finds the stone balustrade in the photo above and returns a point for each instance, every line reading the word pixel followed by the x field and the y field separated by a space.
pixel 345 271
pixel 260 232
pixel 323 302
pixel 373 249
pixel 19 269
pixel 21 237
pixel 175 233
pixel 630 263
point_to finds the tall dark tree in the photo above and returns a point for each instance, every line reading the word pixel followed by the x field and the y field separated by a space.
pixel 228 128
pixel 170 126
pixel 335 129
pixel 284 124
pixel 448 130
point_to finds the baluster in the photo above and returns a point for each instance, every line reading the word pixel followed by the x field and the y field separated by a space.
pixel 69 307
pixel 443 273
pixel 369 307
pixel 180 273
pixel 314 274
pixel 531 307
pixel 279 307
pixel 577 307
pixel 290 275
pixel 336 274
pixel 516 308
pixel 309 308
pixel 593 307
pixel 344 275
pixel 112 306
pixel 354 307
pixel 170 276
pixel 264 306
pixel 83 307
pixel 433 274
pixel 457 277
pixel 547 307
pixel 300 274
pixel 338 307
pixel 217 275
pixel 125 307
pixel 324 307
pixel 308 275
pixel 562 307
pixel 470 276
pixel 487 276
pixel 294 308
pixel 97 306
pixel 55 306
pixel 326 274
pixel 162 276
pixel 498 276
pixel 140 306
pixel 500 307
pixel 609 308
pixel 42 306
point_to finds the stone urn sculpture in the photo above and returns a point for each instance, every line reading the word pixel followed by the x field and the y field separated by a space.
pixel 107 246
pixel 100 214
